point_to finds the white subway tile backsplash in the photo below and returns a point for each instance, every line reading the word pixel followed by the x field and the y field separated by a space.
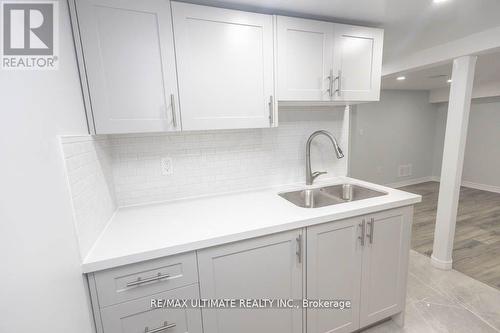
pixel 219 161
pixel 88 167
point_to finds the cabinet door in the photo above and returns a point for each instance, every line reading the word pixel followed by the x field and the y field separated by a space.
pixel 266 267
pixel 357 63
pixel 138 315
pixel 225 67
pixel 304 59
pixel 385 264
pixel 130 64
pixel 334 272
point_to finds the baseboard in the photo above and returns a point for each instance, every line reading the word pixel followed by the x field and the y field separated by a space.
pixel 438 263
pixel 483 187
pixel 409 182
pixel 477 186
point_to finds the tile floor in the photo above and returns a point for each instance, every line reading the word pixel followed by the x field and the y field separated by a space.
pixel 445 301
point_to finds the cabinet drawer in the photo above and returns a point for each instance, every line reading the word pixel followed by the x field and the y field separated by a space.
pixel 147 278
pixel 138 317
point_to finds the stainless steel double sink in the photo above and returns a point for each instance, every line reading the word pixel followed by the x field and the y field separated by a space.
pixel 329 195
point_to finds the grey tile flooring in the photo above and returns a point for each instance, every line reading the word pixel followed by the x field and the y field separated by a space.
pixel 477 237
pixel 445 302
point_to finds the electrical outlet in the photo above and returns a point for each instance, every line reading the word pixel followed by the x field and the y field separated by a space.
pixel 167 167
pixel 405 170
pixel 401 170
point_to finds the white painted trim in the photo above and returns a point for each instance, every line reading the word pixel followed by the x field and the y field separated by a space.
pixel 409 182
pixel 465 183
pixel 440 264
pixel 477 186
pixel 483 187
pixel 481 42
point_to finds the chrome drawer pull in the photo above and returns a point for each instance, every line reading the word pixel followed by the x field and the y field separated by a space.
pixel 271 110
pixel 174 115
pixel 146 280
pixel 330 83
pixel 372 227
pixel 298 252
pixel 165 326
pixel 362 226
pixel 339 80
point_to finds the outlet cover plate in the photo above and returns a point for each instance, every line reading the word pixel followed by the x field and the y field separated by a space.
pixel 167 167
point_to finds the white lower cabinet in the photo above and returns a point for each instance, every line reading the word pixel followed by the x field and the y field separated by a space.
pixel 362 259
pixel 138 316
pixel 334 257
pixel 267 267
pixel 385 264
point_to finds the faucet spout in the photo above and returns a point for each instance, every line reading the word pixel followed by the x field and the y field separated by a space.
pixel 310 176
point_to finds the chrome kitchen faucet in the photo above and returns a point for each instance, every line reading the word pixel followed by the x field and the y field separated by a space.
pixel 310 176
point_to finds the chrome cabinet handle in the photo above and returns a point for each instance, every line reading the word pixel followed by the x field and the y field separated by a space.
pixel 299 248
pixel 146 280
pixel 372 227
pixel 165 326
pixel 174 116
pixel 362 225
pixel 339 80
pixel 330 86
pixel 271 110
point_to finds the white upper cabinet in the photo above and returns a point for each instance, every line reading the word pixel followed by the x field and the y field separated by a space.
pixel 129 60
pixel 156 66
pixel 357 56
pixel 322 61
pixel 304 59
pixel 225 63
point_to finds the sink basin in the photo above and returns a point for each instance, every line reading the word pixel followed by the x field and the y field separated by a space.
pixel 329 195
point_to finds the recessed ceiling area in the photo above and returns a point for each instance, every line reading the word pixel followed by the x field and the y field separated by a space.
pixel 487 70
pixel 416 25
pixel 410 25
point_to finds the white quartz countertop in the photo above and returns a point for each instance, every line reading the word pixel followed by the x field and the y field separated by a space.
pixel 145 232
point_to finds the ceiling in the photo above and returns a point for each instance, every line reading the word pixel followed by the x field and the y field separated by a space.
pixel 410 25
pixel 487 70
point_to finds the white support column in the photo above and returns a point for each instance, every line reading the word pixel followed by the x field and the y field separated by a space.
pixel 453 160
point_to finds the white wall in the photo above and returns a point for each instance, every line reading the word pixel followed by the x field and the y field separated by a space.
pixel 440 129
pixel 482 151
pixel 397 130
pixel 41 285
